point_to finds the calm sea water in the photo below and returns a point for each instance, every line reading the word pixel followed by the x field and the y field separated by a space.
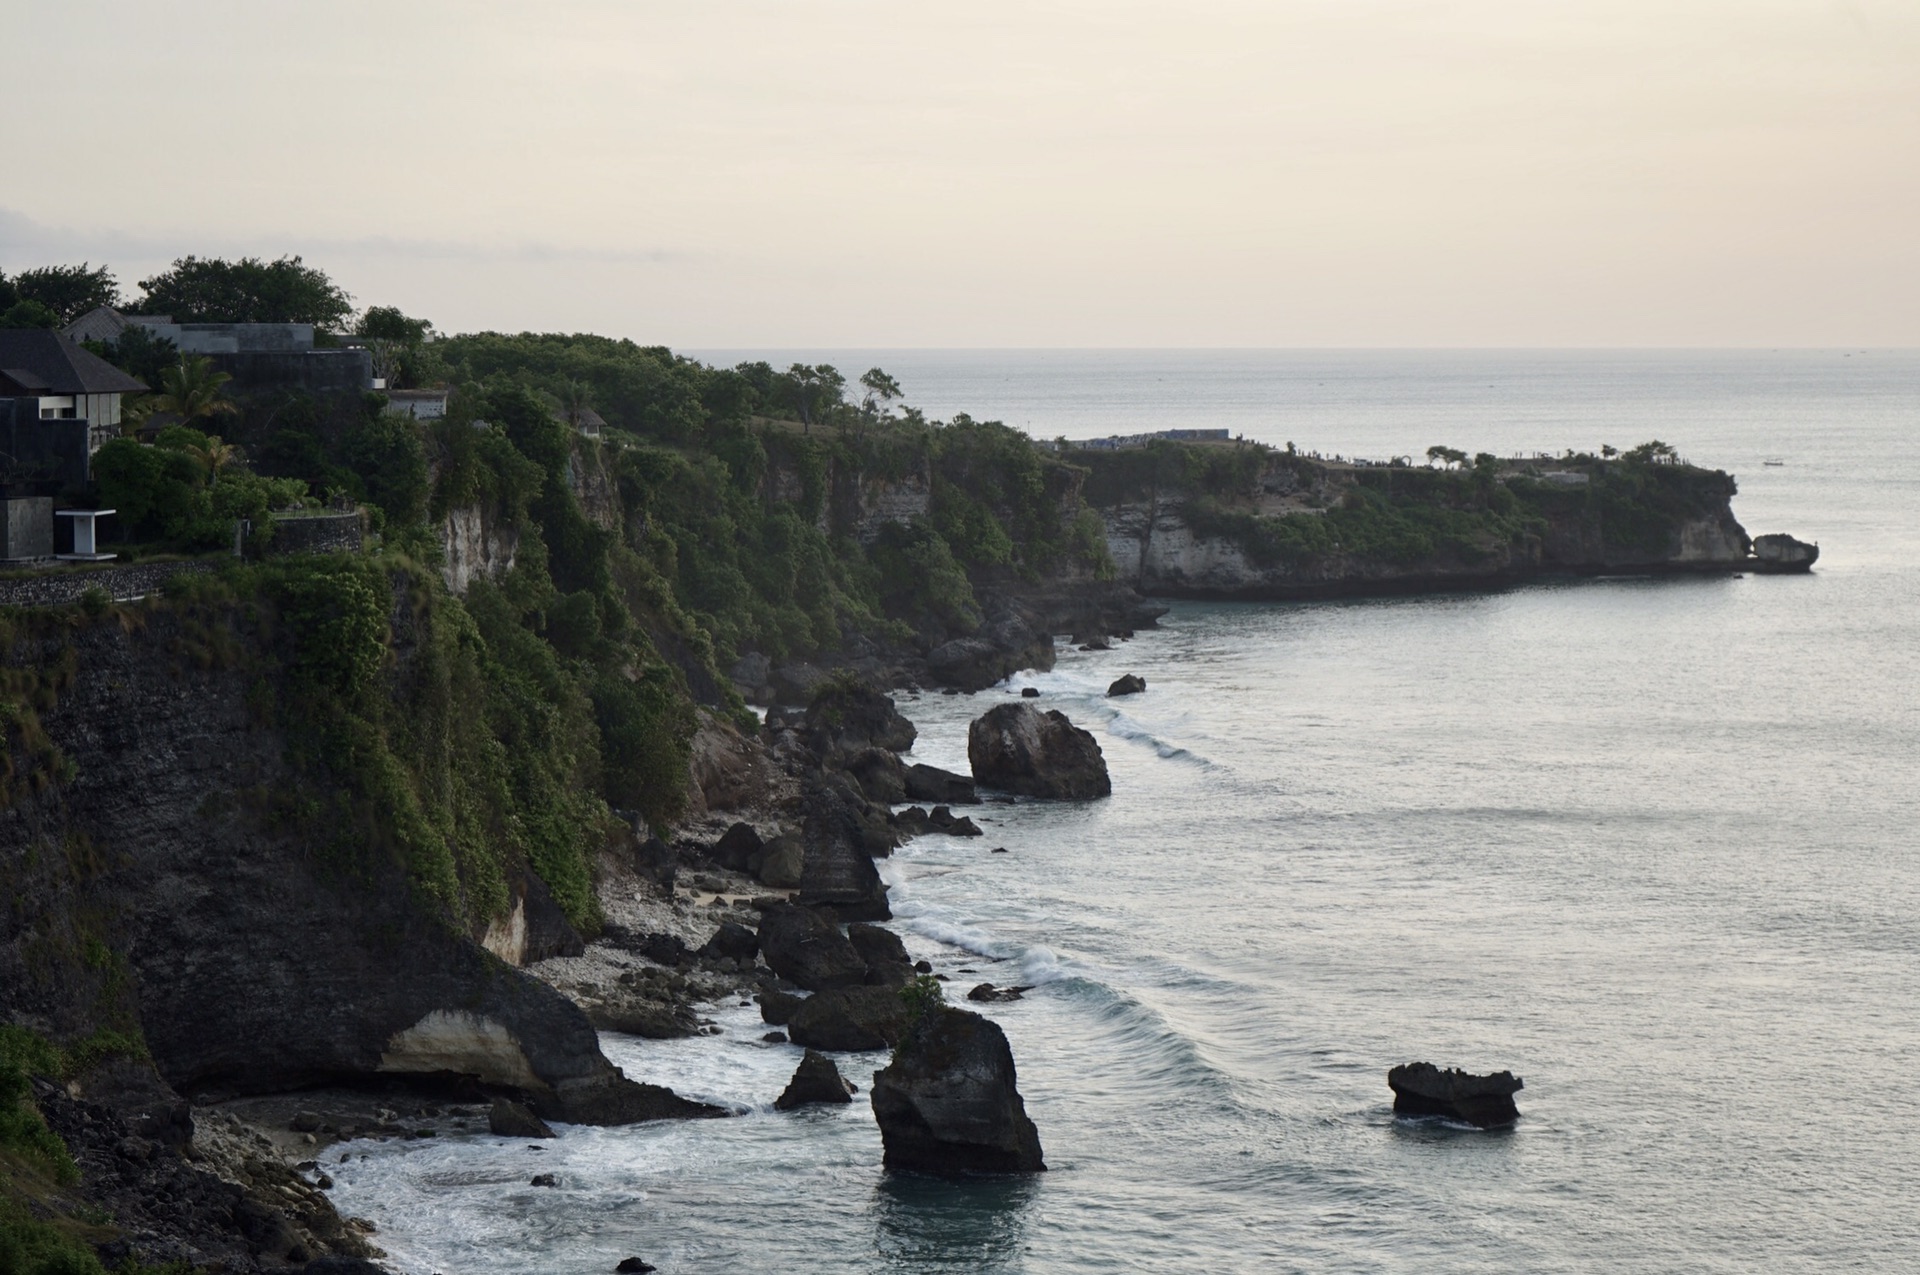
pixel 1650 844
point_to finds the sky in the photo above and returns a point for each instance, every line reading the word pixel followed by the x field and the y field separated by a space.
pixel 1096 173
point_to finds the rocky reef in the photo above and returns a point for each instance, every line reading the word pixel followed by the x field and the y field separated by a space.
pixel 1422 1089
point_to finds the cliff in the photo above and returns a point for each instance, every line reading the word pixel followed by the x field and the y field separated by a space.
pixel 1237 521
pixel 195 869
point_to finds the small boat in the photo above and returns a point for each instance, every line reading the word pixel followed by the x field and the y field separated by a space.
pixel 1773 462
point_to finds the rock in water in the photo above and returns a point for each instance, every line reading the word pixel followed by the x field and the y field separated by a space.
pixel 802 947
pixel 1131 684
pixel 888 964
pixel 1783 554
pixel 815 1080
pixel 634 1266
pixel 849 1019
pixel 942 787
pixel 948 1103
pixel 511 1120
pixel 1018 748
pixel 1422 1089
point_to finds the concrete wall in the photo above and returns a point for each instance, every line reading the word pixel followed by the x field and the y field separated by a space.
pixel 236 338
pixel 315 371
pixel 26 527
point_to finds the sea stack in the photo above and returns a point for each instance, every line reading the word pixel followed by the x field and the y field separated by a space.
pixel 1018 748
pixel 1422 1089
pixel 948 1104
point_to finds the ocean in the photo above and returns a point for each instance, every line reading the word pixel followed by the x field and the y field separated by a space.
pixel 1650 844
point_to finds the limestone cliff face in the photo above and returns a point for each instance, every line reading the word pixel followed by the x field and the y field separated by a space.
pixel 175 851
pixel 475 546
pixel 1161 547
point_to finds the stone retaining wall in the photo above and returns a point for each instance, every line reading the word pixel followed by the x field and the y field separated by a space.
pixel 64 586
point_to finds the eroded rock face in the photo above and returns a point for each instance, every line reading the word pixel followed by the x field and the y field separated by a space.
pixel 948 1104
pixel 815 1080
pixel 840 844
pixel 1018 748
pixel 1422 1089
pixel 803 947
pixel 1782 553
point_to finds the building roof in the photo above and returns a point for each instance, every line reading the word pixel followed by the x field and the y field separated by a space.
pixel 62 365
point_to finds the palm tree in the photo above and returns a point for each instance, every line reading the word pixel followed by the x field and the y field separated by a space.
pixel 213 455
pixel 193 390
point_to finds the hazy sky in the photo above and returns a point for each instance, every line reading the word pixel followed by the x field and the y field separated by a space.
pixel 857 173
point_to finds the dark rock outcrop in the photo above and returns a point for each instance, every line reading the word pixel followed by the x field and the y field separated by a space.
pixel 804 948
pixel 987 992
pixel 509 1119
pixel 880 774
pixel 846 719
pixel 888 964
pixel 1781 555
pixel 1018 748
pixel 849 1019
pixel 838 869
pixel 736 848
pixel 732 941
pixel 1001 647
pixel 1422 1089
pixel 1131 684
pixel 634 1266
pixel 939 787
pixel 815 1080
pixel 949 1104
pixel 778 1007
pixel 261 964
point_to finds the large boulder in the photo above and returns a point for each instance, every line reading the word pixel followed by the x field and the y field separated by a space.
pixel 880 774
pixel 784 863
pixel 815 1080
pixel 1018 748
pixel 846 718
pixel 1129 684
pixel 849 1019
pixel 939 787
pixel 1422 1089
pixel 736 850
pixel 888 964
pixel 508 1119
pixel 803 947
pixel 948 1103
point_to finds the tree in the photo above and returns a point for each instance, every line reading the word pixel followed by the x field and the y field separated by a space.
pixel 812 389
pixel 1654 453
pixel 191 389
pixel 246 291
pixel 881 391
pixel 1441 454
pixel 139 353
pixel 68 291
pixel 396 342
pixel 28 314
